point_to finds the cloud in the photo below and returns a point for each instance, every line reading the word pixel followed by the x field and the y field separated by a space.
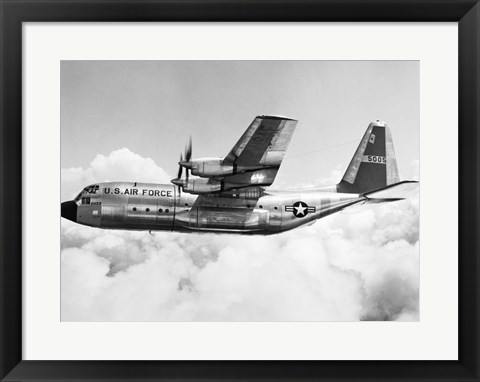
pixel 358 265
pixel 120 165
pixel 331 179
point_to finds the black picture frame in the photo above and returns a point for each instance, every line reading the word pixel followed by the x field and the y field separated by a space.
pixel 14 12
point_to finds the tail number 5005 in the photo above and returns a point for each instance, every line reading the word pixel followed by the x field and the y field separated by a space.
pixel 375 159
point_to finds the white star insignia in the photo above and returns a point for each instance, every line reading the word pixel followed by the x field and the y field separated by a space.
pixel 300 209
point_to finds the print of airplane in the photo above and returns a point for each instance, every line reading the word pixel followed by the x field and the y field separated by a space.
pixel 231 194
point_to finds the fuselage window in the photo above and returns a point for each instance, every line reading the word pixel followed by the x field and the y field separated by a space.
pixel 134 209
pixel 148 210
pixel 160 210
pixel 86 200
pixel 166 211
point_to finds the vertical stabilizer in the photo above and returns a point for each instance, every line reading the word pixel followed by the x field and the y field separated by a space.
pixel 374 164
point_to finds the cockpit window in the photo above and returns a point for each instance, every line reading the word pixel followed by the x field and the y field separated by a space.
pixel 92 189
pixel 77 199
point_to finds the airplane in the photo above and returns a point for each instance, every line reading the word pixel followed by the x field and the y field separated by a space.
pixel 232 195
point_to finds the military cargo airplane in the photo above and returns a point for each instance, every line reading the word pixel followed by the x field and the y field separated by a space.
pixel 231 194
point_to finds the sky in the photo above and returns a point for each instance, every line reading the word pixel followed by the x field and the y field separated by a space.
pixel 129 120
pixel 152 107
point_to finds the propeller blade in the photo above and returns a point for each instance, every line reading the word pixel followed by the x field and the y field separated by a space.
pixel 188 156
pixel 180 168
pixel 188 150
pixel 179 181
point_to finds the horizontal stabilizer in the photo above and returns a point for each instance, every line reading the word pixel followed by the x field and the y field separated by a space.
pixel 397 191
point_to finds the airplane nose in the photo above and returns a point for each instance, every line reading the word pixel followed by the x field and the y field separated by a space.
pixel 69 210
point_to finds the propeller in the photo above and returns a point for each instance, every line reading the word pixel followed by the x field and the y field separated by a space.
pixel 184 163
pixel 188 155
pixel 188 150
pixel 180 168
pixel 178 181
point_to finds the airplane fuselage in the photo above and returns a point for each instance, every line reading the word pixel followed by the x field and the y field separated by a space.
pixel 160 207
pixel 232 194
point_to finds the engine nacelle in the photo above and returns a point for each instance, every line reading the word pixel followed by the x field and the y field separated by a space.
pixel 209 167
pixel 202 186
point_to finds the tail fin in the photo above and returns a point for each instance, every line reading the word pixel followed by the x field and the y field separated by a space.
pixel 374 164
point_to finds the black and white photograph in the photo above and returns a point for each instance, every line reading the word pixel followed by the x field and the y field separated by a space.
pixel 242 191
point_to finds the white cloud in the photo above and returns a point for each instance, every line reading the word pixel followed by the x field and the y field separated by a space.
pixel 334 177
pixel 120 165
pixel 359 265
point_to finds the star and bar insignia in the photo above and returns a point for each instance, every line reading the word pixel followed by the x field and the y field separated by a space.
pixel 300 209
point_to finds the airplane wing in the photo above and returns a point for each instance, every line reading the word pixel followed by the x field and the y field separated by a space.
pixel 263 144
pixel 253 161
